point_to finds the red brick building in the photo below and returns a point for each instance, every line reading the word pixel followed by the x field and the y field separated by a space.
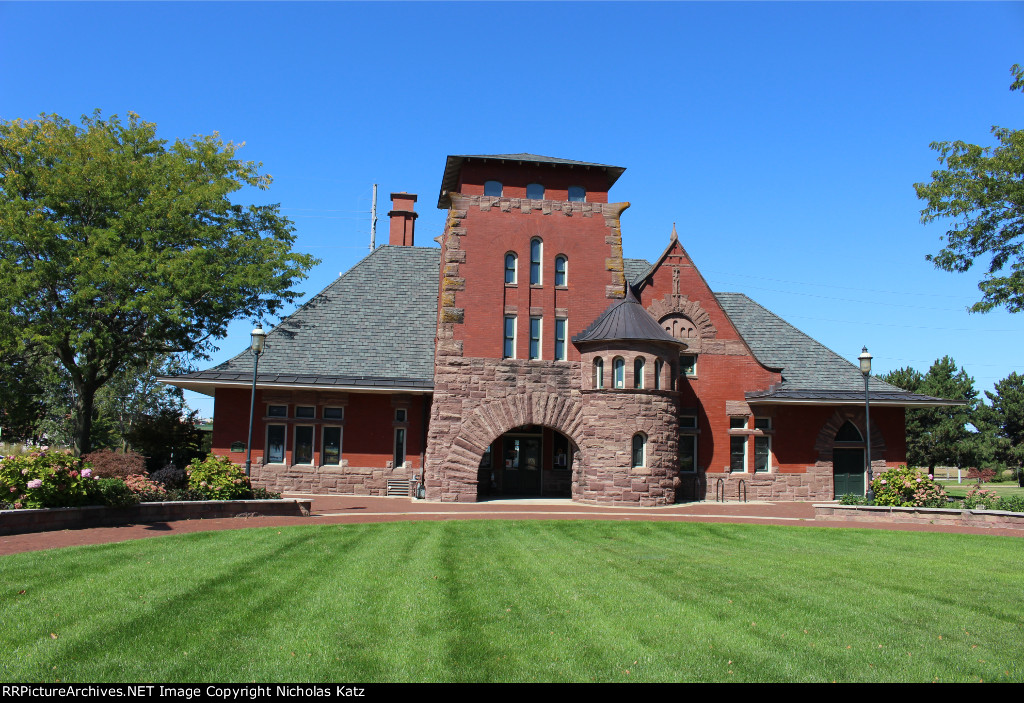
pixel 526 356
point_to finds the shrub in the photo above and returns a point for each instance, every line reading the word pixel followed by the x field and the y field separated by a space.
pixel 44 479
pixel 907 487
pixel 112 492
pixel 170 476
pixel 1015 504
pixel 107 463
pixel 261 493
pixel 218 478
pixel 981 475
pixel 981 499
pixel 146 490
pixel 852 499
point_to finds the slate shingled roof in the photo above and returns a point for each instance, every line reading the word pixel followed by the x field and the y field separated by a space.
pixel 374 326
pixel 810 370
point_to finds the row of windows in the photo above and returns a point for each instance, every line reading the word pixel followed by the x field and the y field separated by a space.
pixel 687 366
pixel 536 255
pixel 535 191
pixel 330 436
pixel 306 412
pixel 536 331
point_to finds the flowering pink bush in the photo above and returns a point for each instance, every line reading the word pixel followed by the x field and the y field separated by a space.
pixel 43 479
pixel 907 487
pixel 148 491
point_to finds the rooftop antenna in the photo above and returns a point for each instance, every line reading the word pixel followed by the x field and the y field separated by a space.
pixel 373 219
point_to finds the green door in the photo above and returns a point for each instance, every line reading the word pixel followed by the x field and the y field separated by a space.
pixel 848 471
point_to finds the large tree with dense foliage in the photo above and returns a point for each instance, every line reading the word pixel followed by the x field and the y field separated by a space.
pixel 940 436
pixel 980 191
pixel 117 247
pixel 1003 421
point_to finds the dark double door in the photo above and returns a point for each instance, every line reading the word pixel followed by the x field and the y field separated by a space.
pixel 848 472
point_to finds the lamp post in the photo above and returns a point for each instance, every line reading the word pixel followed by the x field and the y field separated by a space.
pixel 865 369
pixel 259 340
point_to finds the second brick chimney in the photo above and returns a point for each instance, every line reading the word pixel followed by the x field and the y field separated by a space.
pixel 403 219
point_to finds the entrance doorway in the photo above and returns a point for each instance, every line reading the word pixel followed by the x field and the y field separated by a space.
pixel 529 461
pixel 848 472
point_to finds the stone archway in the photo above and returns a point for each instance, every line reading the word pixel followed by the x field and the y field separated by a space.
pixel 457 469
pixel 835 456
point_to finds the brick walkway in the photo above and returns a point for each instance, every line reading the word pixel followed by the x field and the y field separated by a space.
pixel 357 509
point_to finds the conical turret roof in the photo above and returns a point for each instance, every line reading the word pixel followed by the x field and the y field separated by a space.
pixel 625 319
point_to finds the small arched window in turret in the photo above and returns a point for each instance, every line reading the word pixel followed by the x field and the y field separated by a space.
pixel 639 450
pixel 638 372
pixel 619 372
pixel 598 372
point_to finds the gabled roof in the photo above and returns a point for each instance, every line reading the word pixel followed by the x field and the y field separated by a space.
pixel 810 370
pixel 373 327
pixel 453 166
pixel 625 319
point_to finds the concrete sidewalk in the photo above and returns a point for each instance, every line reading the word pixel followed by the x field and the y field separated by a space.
pixel 364 509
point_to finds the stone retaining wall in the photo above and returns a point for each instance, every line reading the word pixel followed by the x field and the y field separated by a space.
pixel 332 480
pixel 958 517
pixel 14 522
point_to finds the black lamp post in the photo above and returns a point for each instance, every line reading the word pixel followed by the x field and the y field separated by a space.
pixel 865 369
pixel 259 340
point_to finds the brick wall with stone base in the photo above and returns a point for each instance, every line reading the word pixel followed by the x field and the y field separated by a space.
pixel 331 480
pixel 611 418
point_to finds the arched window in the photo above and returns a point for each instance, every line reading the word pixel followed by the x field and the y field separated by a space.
pixel 639 450
pixel 619 372
pixel 638 372
pixel 510 267
pixel 598 372
pixel 492 188
pixel 848 433
pixel 535 191
pixel 536 250
pixel 577 194
pixel 658 366
pixel 561 270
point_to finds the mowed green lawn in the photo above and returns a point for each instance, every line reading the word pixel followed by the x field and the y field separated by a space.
pixel 1007 488
pixel 519 601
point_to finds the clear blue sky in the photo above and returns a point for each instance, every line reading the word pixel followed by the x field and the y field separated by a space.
pixel 783 139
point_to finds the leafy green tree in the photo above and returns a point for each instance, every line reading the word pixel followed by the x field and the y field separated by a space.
pixel 117 247
pixel 980 191
pixel 940 436
pixel 1003 420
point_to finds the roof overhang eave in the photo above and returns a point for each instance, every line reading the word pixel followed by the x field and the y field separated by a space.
pixel 208 387
pixel 888 403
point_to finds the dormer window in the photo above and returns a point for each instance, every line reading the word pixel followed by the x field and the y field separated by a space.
pixel 535 191
pixel 492 188
pixel 577 194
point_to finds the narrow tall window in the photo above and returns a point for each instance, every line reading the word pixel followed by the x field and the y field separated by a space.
pixel 303 445
pixel 762 445
pixel 619 372
pixel 535 323
pixel 510 267
pixel 492 188
pixel 638 372
pixel 535 191
pixel 658 366
pixel 332 446
pixel 598 372
pixel 738 454
pixel 688 443
pixel 399 447
pixel 275 444
pixel 509 351
pixel 561 326
pixel 577 194
pixel 536 250
pixel 561 270
pixel 639 450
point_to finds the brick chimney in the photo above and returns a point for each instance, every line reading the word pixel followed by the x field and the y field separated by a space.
pixel 403 219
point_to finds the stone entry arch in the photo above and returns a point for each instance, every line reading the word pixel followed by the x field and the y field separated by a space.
pixel 835 456
pixel 453 476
